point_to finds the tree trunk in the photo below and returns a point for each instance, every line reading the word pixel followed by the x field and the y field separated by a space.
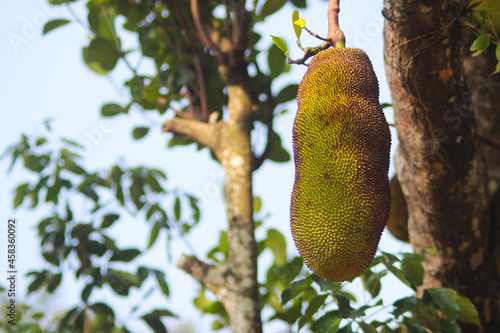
pixel 439 161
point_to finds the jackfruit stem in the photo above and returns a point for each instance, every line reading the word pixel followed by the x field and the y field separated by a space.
pixel 335 35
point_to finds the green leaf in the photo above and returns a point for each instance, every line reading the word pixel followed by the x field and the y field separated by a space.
pixel 270 7
pixel 121 282
pixel 314 304
pixel 140 132
pixel 296 28
pixel 276 61
pixel 40 141
pixel 296 288
pixel 54 24
pixel 329 323
pixel 299 3
pixel 155 231
pixel 403 305
pixel 101 55
pixel 21 192
pixel 177 208
pixel 153 319
pixel 497 69
pixel 326 285
pixel 160 278
pixel 414 271
pixel 443 300
pixel 108 220
pixel 277 244
pixel 281 44
pixel 367 328
pixel 480 44
pixel 371 281
pixel 497 52
pixel 344 305
pixel 112 109
pixel 53 282
pixel 278 154
pixel 287 94
pixel 126 255
pixel 468 311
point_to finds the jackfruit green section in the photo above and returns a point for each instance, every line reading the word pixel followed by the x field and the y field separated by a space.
pixel 341 198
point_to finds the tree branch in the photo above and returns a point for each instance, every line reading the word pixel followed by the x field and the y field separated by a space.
pixel 205 134
pixel 202 30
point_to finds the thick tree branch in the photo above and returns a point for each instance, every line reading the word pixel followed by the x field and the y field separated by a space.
pixel 205 134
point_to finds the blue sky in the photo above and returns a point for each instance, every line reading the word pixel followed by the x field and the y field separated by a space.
pixel 44 76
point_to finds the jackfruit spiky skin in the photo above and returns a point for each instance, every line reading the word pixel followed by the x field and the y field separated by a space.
pixel 341 198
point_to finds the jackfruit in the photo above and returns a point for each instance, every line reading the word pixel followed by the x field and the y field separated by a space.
pixel 397 224
pixel 341 198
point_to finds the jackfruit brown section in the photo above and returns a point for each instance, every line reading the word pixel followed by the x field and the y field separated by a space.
pixel 341 141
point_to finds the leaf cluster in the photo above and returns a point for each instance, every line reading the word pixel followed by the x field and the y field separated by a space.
pixel 83 241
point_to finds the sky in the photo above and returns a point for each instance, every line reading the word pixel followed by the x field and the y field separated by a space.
pixel 44 76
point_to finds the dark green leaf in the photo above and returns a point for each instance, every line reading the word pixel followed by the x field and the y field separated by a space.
pixel 53 282
pixel 314 304
pixel 108 220
pixel 102 308
pixel 367 328
pixel 21 192
pixel 403 305
pixel 413 271
pixel 87 291
pixel 40 278
pixel 101 55
pixel 126 255
pixel 371 281
pixel 270 7
pixel 329 323
pixel 326 285
pixel 140 132
pixel 155 231
pixel 160 278
pixel 443 300
pixel 54 24
pixel 299 3
pixel 40 141
pixel 177 208
pixel 112 109
pixel 414 328
pixel 344 305
pixel 121 281
pixel 153 319
pixel 278 153
pixel 296 288
pixel 448 327
pixel 82 231
pixel 287 94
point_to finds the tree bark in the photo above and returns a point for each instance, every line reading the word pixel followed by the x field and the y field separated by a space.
pixel 439 161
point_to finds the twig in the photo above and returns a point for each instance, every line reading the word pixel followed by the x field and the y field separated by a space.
pixel 195 10
pixel 334 38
